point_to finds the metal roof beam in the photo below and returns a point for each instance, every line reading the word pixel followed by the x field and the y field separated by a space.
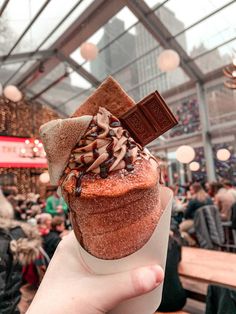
pixel 3 7
pixel 47 103
pixel 34 19
pixel 79 69
pixel 177 141
pixel 93 18
pixel 164 37
pixel 42 101
pixel 27 56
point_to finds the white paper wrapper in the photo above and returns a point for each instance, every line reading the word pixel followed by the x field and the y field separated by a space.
pixel 154 251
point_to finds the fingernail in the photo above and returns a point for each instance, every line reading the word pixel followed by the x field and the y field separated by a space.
pixel 151 276
pixel 159 273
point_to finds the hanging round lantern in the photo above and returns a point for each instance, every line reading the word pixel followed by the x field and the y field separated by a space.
pixel 88 51
pixel 185 154
pixel 168 60
pixel 44 177
pixel 194 166
pixel 223 154
pixel 12 93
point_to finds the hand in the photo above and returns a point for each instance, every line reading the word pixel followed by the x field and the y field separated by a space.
pixel 59 209
pixel 69 287
pixel 188 196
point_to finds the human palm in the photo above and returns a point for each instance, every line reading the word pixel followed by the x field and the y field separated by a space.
pixel 70 287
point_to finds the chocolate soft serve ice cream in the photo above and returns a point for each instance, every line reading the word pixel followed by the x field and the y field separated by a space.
pixel 112 187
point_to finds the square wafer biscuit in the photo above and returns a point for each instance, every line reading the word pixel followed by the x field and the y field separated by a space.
pixel 109 95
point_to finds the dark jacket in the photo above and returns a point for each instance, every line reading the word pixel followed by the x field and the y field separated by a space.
pixel 18 246
pixel 50 242
pixel 208 227
pixel 193 205
pixel 220 300
pixel 233 216
pixel 173 296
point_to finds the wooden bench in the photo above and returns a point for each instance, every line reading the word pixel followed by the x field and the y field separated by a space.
pixel 200 267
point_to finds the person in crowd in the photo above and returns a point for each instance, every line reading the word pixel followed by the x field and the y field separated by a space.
pixel 55 205
pixel 19 206
pixel 224 198
pixel 173 295
pixel 212 188
pixel 198 199
pixel 69 287
pixel 19 245
pixel 58 226
pixel 10 192
pixel 178 205
pixel 230 188
pixel 44 222
pixel 42 203
pixel 52 239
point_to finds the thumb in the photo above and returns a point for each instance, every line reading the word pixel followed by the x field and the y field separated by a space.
pixel 112 289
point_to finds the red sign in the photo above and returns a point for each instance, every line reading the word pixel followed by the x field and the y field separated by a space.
pixel 21 153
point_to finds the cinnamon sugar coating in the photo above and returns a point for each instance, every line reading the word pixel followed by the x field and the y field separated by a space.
pixel 116 216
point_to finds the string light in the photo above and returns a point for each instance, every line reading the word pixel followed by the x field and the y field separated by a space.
pixel 194 166
pixel 44 177
pixel 33 148
pixel 168 60
pixel 88 51
pixel 223 154
pixel 185 154
pixel 12 93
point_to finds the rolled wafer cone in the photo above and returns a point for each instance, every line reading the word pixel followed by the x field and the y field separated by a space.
pixel 116 216
pixel 120 220
pixel 153 252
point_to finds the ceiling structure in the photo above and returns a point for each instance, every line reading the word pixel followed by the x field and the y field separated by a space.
pixel 41 47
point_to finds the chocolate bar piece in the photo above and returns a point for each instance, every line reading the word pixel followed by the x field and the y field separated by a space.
pixel 149 119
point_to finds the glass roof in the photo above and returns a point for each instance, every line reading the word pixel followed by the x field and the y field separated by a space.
pixel 71 86
pixel 218 57
pixel 45 16
pixel 71 104
pixel 6 71
pixel 204 29
pixel 210 33
pixel 128 52
pixel 73 14
pixel 19 70
pixel 51 77
pixel 179 11
pixel 112 36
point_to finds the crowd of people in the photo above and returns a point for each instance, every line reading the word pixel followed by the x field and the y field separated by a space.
pixel 187 115
pixel 32 227
pixel 219 199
